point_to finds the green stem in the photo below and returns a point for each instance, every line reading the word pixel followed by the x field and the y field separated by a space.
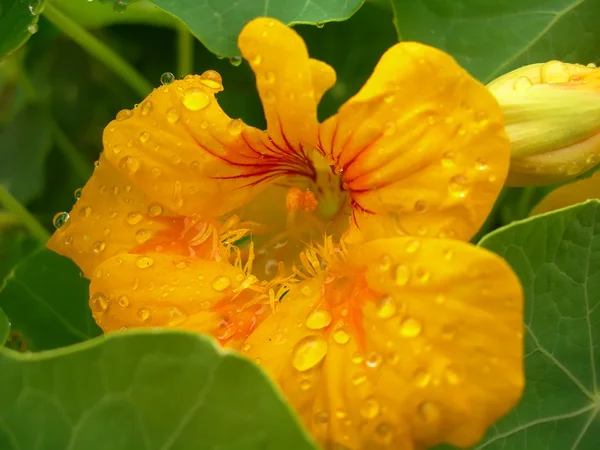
pixel 98 49
pixel 185 50
pixel 69 151
pixel 12 205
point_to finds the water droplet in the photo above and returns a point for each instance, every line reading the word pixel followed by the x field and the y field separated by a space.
pixel 34 7
pixel 451 376
pixel 131 165
pixel 420 206
pixel 145 108
pixel 591 159
pixel 177 316
pixel 32 28
pixel 555 72
pixel 60 219
pixel 270 97
pixel 167 78
pixel 412 246
pixel 306 290
pixel 428 411
pixel 357 358
pixel 370 408
pixel 235 127
pixel 305 385
pixel 481 164
pixel 448 254
pixel 123 301
pixel 142 236
pixel 143 262
pixel 384 433
pixel 143 314
pixel 269 77
pixel 320 24
pixel 133 218
pixel 98 246
pixel 86 211
pixel 155 210
pixel 119 7
pixel 144 137
pixel 77 193
pixel 385 263
pixel 422 378
pixel 373 360
pixel 309 352
pixel 386 307
pixel 423 275
pixel 98 302
pixel 341 336
pixel 359 378
pixel 318 319
pixel 124 114
pixel 221 283
pixel 246 347
pixel 172 115
pixel 522 83
pixel 573 168
pixel 212 79
pixel 235 61
pixel 448 159
pixel 402 275
pixel 458 186
pixel 410 327
pixel 195 99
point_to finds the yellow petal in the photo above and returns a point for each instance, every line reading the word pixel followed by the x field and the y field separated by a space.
pixel 421 145
pixel 289 83
pixel 570 194
pixel 158 290
pixel 415 342
pixel 111 216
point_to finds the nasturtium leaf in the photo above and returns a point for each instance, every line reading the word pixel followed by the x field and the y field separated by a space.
pixel 24 145
pixel 490 38
pixel 557 258
pixel 142 390
pixel 18 21
pixel 47 302
pixel 218 23
pixel 4 327
pixel 15 243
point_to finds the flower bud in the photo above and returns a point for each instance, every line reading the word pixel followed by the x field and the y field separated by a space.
pixel 552 117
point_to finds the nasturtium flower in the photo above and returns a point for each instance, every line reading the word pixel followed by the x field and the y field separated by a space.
pixel 570 194
pixel 333 254
pixel 552 117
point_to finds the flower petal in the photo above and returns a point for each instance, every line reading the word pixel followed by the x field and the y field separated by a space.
pixel 570 194
pixel 396 349
pixel 111 216
pixel 289 83
pixel 159 290
pixel 422 143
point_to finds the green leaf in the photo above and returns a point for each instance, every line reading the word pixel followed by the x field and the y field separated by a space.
pixel 490 38
pixel 18 21
pixel 46 301
pixel 15 243
pixel 4 327
pixel 218 23
pixel 24 145
pixel 557 258
pixel 142 390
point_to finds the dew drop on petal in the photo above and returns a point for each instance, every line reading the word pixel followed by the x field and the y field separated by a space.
pixel 142 236
pixel 428 411
pixel 143 314
pixel 384 433
pixel 133 218
pixel 155 210
pixel 306 290
pixel 167 78
pixel 359 378
pixel 172 115
pixel 422 378
pixel 385 263
pixel 86 211
pixel 318 319
pixel 235 127
pixel 448 159
pixel 143 262
pixel 410 327
pixel 60 219
pixel 555 72
pixel 195 99
pixel 212 79
pixel 522 83
pixel 221 283
pixel 458 186
pixel 305 385
pixel 341 336
pixel 123 301
pixel 177 316
pixel 144 137
pixel 412 246
pixel 451 376
pixel 145 108
pixel 370 408
pixel 77 193
pixel 309 352
pixel 98 246
pixel 373 360
pixel 386 307
pixel 98 302
pixel 402 275
pixel 124 114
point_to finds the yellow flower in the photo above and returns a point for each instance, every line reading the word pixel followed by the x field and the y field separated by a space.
pixel 380 333
pixel 552 114
pixel 570 194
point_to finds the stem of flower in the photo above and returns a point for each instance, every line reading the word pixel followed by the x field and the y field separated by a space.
pixel 185 50
pixel 69 151
pixel 12 205
pixel 98 49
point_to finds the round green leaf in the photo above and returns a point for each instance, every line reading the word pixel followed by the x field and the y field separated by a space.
pixel 18 21
pixel 557 258
pixel 4 327
pixel 490 38
pixel 142 390
pixel 218 23
pixel 46 300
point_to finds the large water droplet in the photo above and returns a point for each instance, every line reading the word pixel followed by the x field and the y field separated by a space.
pixel 221 283
pixel 309 352
pixel 235 127
pixel 555 72
pixel 60 219
pixel 167 78
pixel 522 83
pixel 212 79
pixel 124 114
pixel 318 319
pixel 34 7
pixel 235 60
pixel 195 99
pixel 155 210
pixel 341 336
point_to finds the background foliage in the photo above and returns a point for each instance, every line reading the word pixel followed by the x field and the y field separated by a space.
pixel 59 90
